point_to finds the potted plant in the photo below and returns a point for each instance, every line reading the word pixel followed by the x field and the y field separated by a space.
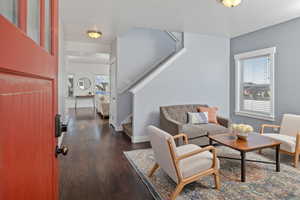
pixel 241 130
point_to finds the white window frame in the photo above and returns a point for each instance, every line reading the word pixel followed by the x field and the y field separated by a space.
pixel 270 52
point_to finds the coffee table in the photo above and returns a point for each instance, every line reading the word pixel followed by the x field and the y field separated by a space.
pixel 254 142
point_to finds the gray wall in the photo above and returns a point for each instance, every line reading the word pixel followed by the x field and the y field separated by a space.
pixel 138 50
pixel 199 76
pixel 286 38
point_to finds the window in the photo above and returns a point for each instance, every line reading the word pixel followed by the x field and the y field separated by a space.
pixel 9 9
pixel 102 84
pixel 48 35
pixel 255 84
pixel 70 82
pixel 33 20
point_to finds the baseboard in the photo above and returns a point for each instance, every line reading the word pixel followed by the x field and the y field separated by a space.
pixel 140 139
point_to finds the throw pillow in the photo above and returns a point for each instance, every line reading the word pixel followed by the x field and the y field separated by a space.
pixel 212 113
pixel 198 118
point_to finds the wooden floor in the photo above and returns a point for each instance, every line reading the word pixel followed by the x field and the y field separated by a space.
pixel 95 168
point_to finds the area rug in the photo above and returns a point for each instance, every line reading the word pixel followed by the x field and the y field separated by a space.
pixel 262 180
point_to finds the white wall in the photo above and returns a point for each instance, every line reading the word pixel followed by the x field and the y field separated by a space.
pixel 200 76
pixel 62 110
pixel 89 70
pixel 87 67
pixel 138 50
pixel 113 83
pixel 61 75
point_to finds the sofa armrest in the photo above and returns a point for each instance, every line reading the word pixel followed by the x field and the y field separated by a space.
pixel 169 125
pixel 223 121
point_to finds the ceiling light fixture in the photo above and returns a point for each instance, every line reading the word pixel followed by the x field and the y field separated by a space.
pixel 231 3
pixel 94 34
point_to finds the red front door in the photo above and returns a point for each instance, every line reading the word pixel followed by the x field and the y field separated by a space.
pixel 28 104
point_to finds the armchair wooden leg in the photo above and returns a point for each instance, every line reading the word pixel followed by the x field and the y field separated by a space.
pixel 296 160
pixel 154 168
pixel 177 191
pixel 217 180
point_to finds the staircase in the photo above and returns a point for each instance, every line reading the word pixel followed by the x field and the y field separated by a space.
pixel 179 44
pixel 127 129
pixel 178 38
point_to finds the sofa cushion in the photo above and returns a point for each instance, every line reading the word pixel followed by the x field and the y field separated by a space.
pixel 288 142
pixel 179 112
pixel 194 164
pixel 214 129
pixel 193 130
pixel 197 117
pixel 201 141
pixel 196 130
pixel 212 113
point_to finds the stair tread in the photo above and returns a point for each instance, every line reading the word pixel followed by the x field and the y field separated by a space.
pixel 128 128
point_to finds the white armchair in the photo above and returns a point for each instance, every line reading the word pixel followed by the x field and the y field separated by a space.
pixel 102 105
pixel 289 135
pixel 184 164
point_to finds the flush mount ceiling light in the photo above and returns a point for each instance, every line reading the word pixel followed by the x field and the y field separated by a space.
pixel 94 34
pixel 231 3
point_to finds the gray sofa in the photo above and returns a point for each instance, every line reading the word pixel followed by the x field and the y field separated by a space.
pixel 173 119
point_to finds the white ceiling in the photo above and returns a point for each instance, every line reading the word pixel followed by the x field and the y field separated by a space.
pixel 83 52
pixel 95 58
pixel 113 17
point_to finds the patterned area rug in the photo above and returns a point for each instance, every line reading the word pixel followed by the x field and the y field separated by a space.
pixel 262 180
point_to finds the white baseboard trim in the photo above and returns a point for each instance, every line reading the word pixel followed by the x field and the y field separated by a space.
pixel 140 139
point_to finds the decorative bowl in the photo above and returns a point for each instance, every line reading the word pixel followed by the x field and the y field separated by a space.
pixel 241 130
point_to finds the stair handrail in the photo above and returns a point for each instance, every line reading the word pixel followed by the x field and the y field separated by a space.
pixel 135 88
pixel 141 76
pixel 172 36
pixel 179 46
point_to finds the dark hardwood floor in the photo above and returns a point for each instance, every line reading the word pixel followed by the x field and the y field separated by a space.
pixel 95 167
